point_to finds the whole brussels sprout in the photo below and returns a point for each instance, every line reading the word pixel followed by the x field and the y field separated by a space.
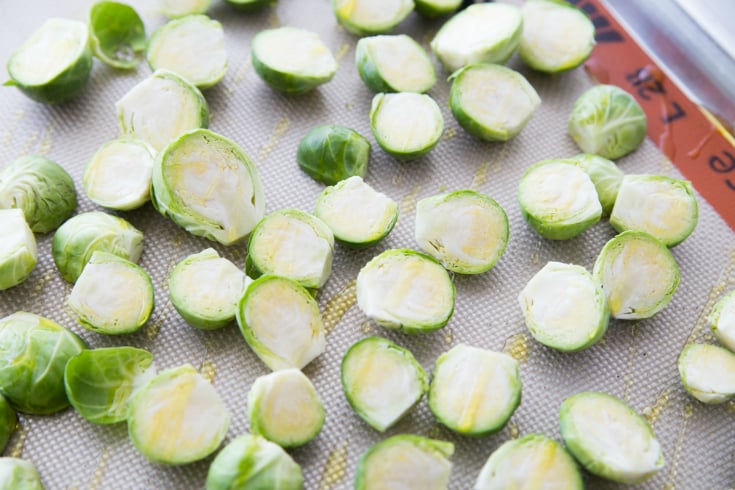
pixel 333 153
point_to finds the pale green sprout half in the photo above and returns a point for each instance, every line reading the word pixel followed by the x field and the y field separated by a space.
pixel 607 121
pixel 209 186
pixel 565 307
pixel 638 274
pixel 492 115
pixel 192 46
pixel 474 391
pixel 117 34
pixel 609 438
pixel 394 64
pixel 466 231
pixel 177 417
pixel 406 290
pixel 406 125
pixel 661 206
pixel 18 251
pixel 54 64
pixel 722 320
pixel 357 214
pixel 531 462
pixel 118 176
pixel 8 422
pixel 481 33
pixel 33 354
pixel 250 461
pixel 436 8
pixel 382 381
pixel 558 199
pixel 161 108
pixel 41 188
pixel 205 289
pixel 281 323
pixel 405 461
pixel 19 474
pixel 285 408
pixel 250 5
pixel 367 17
pixel 112 295
pixel 100 382
pixel 604 174
pixel 173 9
pixel 79 237
pixel 707 372
pixel 330 153
pixel 292 60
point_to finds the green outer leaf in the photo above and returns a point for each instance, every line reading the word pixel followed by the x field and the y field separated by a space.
pixel 117 34
pixel 331 153
pixel 250 5
pixel 19 474
pixel 431 9
pixel 351 25
pixel 606 176
pixel 8 422
pixel 370 71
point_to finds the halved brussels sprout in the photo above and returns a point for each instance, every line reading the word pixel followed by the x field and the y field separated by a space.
pixel 331 153
pixel 281 322
pixel 382 381
pixel 481 33
pixel 436 8
pixel 492 115
pixel 117 34
pixel 285 408
pixel 100 382
pixel 722 320
pixel 366 17
pixel 41 188
pixel 609 438
pixel 19 474
pixel 53 65
pixel 18 251
pixel 466 231
pixel 209 186
pixel 607 121
pixel 250 461
pixel 406 290
pixel 33 354
pixel 639 275
pixel 531 462
pixel 79 237
pixel 474 391
pixel 406 125
pixel 707 372
pixel 661 206
pixel 173 9
pixel 161 108
pixel 604 174
pixel 205 289
pixel 394 64
pixel 405 461
pixel 292 60
pixel 192 46
pixel 177 417
pixel 248 5
pixel 8 423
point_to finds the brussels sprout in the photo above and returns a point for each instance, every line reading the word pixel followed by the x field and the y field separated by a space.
pixel 100 382
pixel 394 64
pixel 367 17
pixel 661 206
pixel 292 60
pixel 209 186
pixel 281 322
pixel 293 244
pixel 8 422
pixel 285 408
pixel 406 290
pixel 77 239
pixel 41 188
pixel 405 461
pixel 118 176
pixel 482 33
pixel 406 125
pixel 205 289
pixel 173 9
pixel 707 372
pixel 558 199
pixel 639 275
pixel 466 231
pixel 609 438
pixel 492 115
pixel 565 307
pixel 33 354
pixel 474 391
pixel 607 121
pixel 252 462
pixel 722 320
pixel 381 381
pixel 192 46
pixel 436 8
pixel 332 153
pixel 117 34
pixel 161 108
pixel 19 474
pixel 531 462
pixel 18 252
pixel 604 174
pixel 53 65
pixel 177 417
pixel 249 5
pixel 356 213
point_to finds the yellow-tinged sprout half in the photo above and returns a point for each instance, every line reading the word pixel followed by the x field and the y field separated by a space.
pixel 707 372
pixel 19 474
pixel 394 64
pixel 18 251
pixel 117 34
pixel 174 9
pixel 366 17
pixel 722 320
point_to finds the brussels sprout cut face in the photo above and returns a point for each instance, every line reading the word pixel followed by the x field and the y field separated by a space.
pixel 117 34
pixel 604 174
pixel 722 320
pixel 18 252
pixel 394 64
pixel 436 8
pixel 333 153
pixel 366 17
pixel 19 474
pixel 708 372
pixel 406 125
pixel 174 9
pixel 8 423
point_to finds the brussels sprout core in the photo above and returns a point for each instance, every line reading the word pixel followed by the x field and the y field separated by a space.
pixel 406 125
pixel 117 34
pixel 708 372
pixel 18 252
pixel 19 474
pixel 365 17
pixel 722 320
pixel 394 64
pixel 332 153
